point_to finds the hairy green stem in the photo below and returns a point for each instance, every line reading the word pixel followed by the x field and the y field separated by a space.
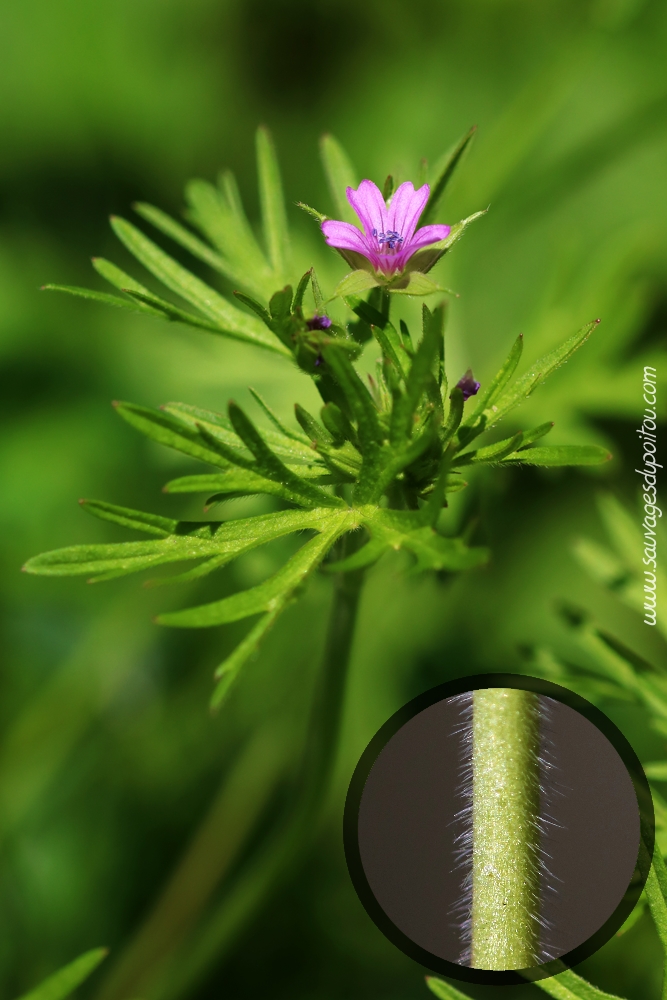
pixel 275 859
pixel 505 835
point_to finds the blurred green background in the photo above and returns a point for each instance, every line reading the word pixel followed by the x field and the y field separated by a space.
pixel 128 815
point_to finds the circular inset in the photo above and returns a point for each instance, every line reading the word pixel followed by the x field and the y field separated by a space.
pixel 492 827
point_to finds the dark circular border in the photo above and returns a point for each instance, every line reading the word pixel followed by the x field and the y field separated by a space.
pixel 353 802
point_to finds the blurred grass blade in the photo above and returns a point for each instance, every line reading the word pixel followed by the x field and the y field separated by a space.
pixel 567 985
pixel 65 981
pixel 340 174
pixel 232 321
pixel 444 990
pixel 274 218
pixel 443 173
pixel 274 592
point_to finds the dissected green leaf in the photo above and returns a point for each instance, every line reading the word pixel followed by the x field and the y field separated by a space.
pixel 175 231
pixel 357 396
pixel 232 321
pixel 229 669
pixel 492 452
pixel 564 454
pixel 173 313
pixel 270 466
pixel 117 277
pixel 103 297
pixel 65 981
pixel 274 218
pixel 418 377
pixel 150 524
pixel 403 529
pixel 168 430
pixel 443 173
pixel 218 213
pixel 189 540
pixel 340 175
pixel 542 368
pixel 494 389
pixel 288 448
pixel 274 592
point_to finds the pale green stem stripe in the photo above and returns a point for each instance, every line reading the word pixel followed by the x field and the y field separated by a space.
pixel 505 835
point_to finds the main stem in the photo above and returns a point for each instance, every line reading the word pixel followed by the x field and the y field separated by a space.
pixel 328 700
pixel 505 811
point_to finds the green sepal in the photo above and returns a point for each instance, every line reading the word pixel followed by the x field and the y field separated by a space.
pixel 415 282
pixel 476 422
pixel 314 214
pixel 424 260
pixel 354 283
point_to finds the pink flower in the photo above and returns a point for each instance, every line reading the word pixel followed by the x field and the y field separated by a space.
pixel 390 235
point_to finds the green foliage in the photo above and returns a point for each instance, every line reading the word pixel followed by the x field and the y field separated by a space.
pixel 382 461
pixel 65 981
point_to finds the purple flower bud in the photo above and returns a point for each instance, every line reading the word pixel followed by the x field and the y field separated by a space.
pixel 318 323
pixel 468 386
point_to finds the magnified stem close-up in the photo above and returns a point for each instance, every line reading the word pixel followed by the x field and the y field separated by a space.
pixel 505 830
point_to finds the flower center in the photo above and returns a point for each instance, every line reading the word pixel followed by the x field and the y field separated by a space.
pixel 388 242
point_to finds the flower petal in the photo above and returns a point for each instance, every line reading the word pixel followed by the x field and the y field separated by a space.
pixel 344 236
pixel 429 234
pixel 406 207
pixel 368 203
